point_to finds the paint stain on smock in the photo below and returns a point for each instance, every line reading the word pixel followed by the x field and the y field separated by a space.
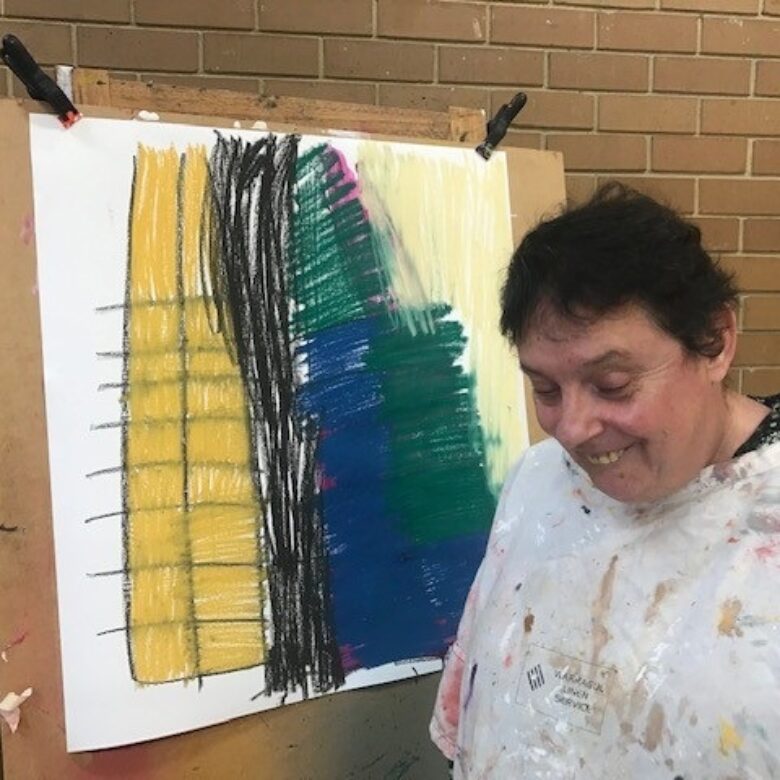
pixel 729 612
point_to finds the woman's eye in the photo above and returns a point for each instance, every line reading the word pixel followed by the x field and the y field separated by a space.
pixel 614 391
pixel 546 393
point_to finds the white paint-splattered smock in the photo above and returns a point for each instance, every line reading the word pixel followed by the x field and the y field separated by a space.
pixel 603 641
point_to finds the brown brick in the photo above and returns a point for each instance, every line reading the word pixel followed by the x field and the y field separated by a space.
pixel 542 27
pixel 342 91
pixel 648 114
pixel 579 188
pixel 431 19
pixel 761 381
pixel 235 14
pixel 578 70
pixel 680 154
pixel 344 17
pixel 740 117
pixel 550 110
pixel 380 60
pixel 718 234
pixel 636 4
pixel 432 98
pixel 766 157
pixel 752 37
pixel 761 235
pixel 754 274
pixel 767 78
pixel 646 32
pixel 522 140
pixel 111 47
pixel 679 194
pixel 203 81
pixel 739 196
pixel 48 43
pixel 713 6
pixel 600 152
pixel 772 7
pixel 75 10
pixel 261 54
pixel 758 349
pixel 761 312
pixel 702 75
pixel 490 65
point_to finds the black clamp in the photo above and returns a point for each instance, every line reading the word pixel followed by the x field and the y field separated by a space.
pixel 499 124
pixel 39 85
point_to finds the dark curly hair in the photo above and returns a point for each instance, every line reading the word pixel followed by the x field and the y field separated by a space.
pixel 620 247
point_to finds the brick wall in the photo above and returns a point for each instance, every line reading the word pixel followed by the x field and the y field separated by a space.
pixel 679 97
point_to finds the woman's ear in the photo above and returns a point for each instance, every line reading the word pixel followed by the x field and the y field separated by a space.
pixel 725 324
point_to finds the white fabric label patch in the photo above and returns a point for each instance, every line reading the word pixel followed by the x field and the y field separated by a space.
pixel 565 688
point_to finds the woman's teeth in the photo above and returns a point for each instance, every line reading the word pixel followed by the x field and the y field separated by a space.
pixel 606 457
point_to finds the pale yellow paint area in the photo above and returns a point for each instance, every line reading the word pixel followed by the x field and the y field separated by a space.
pixel 453 250
pixel 730 738
pixel 196 583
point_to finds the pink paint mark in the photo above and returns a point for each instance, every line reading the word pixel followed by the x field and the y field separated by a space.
pixel 17 640
pixel 348 176
pixel 508 660
pixel 27 230
pixel 349 658
pixel 448 704
pixel 440 621
pixel 327 483
pixel 767 551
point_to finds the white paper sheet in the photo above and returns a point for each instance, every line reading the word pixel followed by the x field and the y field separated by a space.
pixel 82 181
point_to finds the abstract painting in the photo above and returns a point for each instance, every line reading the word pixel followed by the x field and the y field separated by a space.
pixel 279 412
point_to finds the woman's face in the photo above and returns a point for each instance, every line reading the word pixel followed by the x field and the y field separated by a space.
pixel 637 413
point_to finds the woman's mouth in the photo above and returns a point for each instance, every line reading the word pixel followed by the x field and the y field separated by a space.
pixel 605 458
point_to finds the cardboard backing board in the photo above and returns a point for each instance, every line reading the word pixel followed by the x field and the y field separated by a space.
pixel 379 732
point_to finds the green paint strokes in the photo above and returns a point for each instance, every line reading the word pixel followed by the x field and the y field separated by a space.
pixel 335 273
pixel 341 264
pixel 391 254
pixel 437 481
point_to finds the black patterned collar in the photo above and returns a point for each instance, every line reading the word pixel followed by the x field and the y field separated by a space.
pixel 768 430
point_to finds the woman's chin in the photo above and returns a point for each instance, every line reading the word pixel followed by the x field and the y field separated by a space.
pixel 622 487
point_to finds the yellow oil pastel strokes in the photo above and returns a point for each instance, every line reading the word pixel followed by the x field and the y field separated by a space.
pixel 192 527
pixel 454 250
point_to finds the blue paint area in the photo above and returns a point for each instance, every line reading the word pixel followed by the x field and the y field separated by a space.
pixel 392 599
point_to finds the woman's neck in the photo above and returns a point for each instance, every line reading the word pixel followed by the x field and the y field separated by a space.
pixel 742 416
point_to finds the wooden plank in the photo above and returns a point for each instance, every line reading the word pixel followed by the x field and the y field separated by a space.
pixel 98 88
pixel 91 87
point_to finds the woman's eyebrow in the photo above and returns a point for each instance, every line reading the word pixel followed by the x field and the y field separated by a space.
pixel 614 358
pixel 526 369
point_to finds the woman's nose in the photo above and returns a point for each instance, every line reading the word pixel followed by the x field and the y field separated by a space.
pixel 578 420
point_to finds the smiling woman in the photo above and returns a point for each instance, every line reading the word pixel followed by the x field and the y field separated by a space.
pixel 639 538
